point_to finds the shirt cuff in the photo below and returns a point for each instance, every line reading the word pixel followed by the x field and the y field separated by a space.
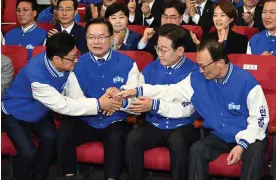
pixel 155 105
pixel 186 18
pixel 141 45
pixel 98 105
pixel 243 143
pixel 124 103
pixel 139 91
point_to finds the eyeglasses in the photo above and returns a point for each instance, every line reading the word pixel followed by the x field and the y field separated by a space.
pixel 162 51
pixel 24 11
pixel 172 18
pixel 203 67
pixel 100 39
pixel 62 10
pixel 68 59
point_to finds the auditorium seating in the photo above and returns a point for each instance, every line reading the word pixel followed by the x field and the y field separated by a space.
pixel 81 10
pixel 9 14
pixel 197 30
pixel 137 28
pixel 244 30
pixel 37 50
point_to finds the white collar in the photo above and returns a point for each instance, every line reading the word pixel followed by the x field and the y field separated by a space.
pixel 202 6
pixel 27 28
pixel 269 34
pixel 69 28
pixel 251 10
pixel 178 64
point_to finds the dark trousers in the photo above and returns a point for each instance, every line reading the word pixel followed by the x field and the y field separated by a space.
pixel 30 159
pixel 72 134
pixel 178 141
pixel 210 147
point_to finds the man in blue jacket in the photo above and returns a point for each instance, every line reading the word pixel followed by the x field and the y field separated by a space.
pixel 46 84
pixel 233 106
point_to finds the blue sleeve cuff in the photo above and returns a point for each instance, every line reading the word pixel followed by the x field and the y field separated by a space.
pixel 139 91
pixel 243 143
pixel 98 105
pixel 155 104
pixel 124 103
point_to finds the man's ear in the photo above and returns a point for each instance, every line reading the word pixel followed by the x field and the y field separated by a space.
pixel 180 50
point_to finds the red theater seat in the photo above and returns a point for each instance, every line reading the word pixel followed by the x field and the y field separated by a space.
pixel 137 28
pixel 197 30
pixel 81 10
pixel 191 56
pixel 244 30
pixel 17 54
pixel 38 49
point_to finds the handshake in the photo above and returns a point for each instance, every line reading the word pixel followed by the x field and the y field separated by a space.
pixel 113 99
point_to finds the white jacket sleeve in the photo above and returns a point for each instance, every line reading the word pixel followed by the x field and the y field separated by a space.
pixel 76 104
pixel 181 91
pixel 258 118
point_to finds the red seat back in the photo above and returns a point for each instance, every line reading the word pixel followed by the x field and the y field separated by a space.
pixel 9 14
pixel 81 10
pixel 46 26
pixel 137 28
pixel 37 50
pixel 191 56
pixel 82 24
pixel 141 58
pixel 245 30
pixel 197 30
pixel 7 27
pixel 17 54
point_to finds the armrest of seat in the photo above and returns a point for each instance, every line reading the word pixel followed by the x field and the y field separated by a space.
pixel 198 123
pixel 132 119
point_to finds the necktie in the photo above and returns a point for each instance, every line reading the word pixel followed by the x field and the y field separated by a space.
pixel 198 11
pixel 101 61
pixel 145 22
pixel 65 31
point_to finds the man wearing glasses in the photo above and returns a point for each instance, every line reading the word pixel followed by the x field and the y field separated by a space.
pixel 66 11
pixel 233 106
pixel 97 71
pixel 29 34
pixel 169 124
pixel 46 83
pixel 172 14
pixel 49 15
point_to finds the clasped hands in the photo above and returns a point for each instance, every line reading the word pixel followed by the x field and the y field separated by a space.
pixel 112 101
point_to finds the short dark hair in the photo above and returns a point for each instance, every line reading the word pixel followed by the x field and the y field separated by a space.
pixel 114 8
pixel 177 34
pixel 100 21
pixel 179 6
pixel 75 3
pixel 216 50
pixel 60 44
pixel 33 2
pixel 229 9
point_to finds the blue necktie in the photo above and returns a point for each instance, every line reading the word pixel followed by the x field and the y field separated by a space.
pixel 198 10
pixel 101 61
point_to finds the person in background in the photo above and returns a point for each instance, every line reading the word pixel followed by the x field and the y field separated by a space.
pixel 264 43
pixel 29 34
pixel 146 13
pixel 90 1
pixel 224 19
pixel 123 39
pixel 237 116
pixel 6 73
pixel 66 11
pixel 200 13
pixel 250 14
pixel 237 3
pixel 169 125
pixel 99 71
pixel 49 15
pixel 47 83
pixel 171 14
pixel 96 10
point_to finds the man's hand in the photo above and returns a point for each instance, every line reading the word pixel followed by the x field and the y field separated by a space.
pixel 131 7
pixel 193 8
pixel 52 32
pixel 235 155
pixel 126 94
pixel 266 53
pixel 148 33
pixel 146 9
pixel 142 104
pixel 94 11
pixel 109 104
pixel 112 91
pixel 247 17
pixel 221 35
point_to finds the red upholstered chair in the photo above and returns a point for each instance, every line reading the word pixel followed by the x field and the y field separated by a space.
pixel 46 26
pixel 81 10
pixel 244 30
pixel 6 27
pixel 263 69
pixel 141 58
pixel 9 14
pixel 82 24
pixel 37 50
pixel 137 28
pixel 191 56
pixel 17 54
pixel 197 30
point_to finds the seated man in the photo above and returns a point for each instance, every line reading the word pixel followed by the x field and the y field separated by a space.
pixel 66 11
pixel 176 133
pixel 264 43
pixel 237 115
pixel 98 70
pixel 49 15
pixel 29 34
pixel 171 14
pixel 6 73
pixel 46 83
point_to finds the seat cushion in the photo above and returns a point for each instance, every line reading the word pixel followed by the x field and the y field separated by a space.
pixel 91 152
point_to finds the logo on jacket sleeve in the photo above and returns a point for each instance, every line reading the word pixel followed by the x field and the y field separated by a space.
pixel 263 115
pixel 233 106
pixel 118 79
pixel 29 46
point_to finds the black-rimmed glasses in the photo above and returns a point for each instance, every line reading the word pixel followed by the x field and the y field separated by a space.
pixel 203 67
